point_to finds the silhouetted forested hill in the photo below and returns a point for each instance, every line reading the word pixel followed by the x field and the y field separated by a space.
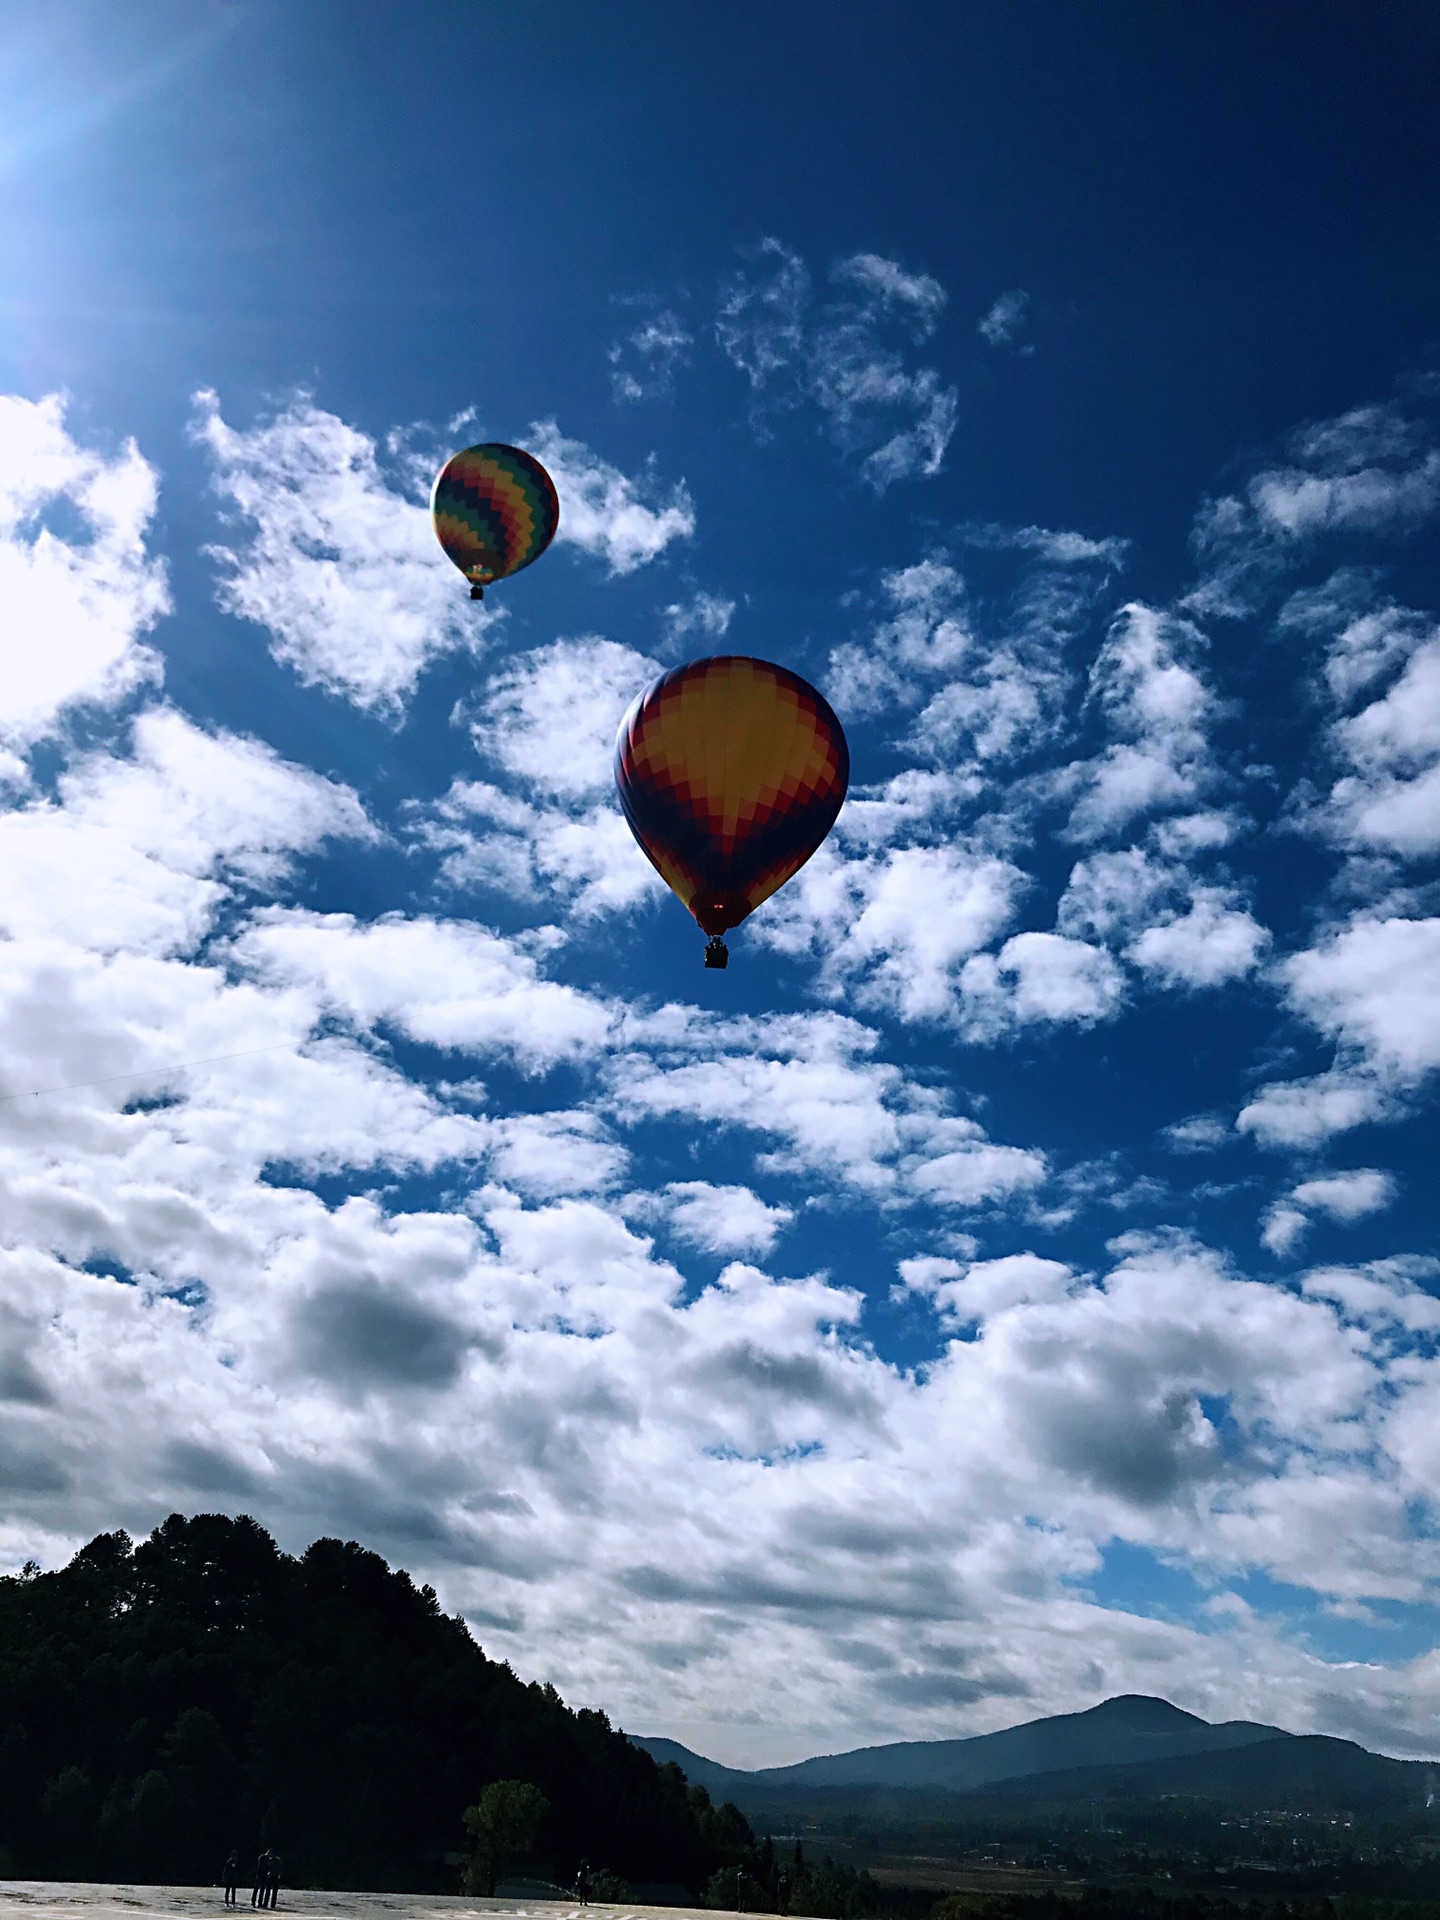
pixel 160 1704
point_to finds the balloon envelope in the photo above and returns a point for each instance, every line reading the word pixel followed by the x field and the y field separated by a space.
pixel 495 510
pixel 731 772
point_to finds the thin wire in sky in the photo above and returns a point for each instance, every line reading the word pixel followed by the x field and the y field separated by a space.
pixel 141 1073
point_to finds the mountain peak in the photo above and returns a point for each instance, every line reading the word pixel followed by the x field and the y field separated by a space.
pixel 1146 1710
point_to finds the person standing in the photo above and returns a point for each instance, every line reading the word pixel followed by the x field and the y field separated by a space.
pixel 257 1892
pixel 272 1879
pixel 232 1876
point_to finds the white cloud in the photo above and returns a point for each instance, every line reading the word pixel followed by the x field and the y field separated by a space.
pixel 1213 942
pixel 1365 472
pixel 548 721
pixel 1282 1227
pixel 707 616
pixel 1201 1133
pixel 228 1081
pixel 858 386
pixel 972 1171
pixel 1004 707
pixel 1149 686
pixel 1005 318
pixel 1192 833
pixel 1115 895
pixel 917 295
pixel 76 603
pixel 1375 987
pixel 760 325
pixel 1389 815
pixel 903 931
pixel 1340 1196
pixel 623 521
pixel 893 930
pixel 339 563
pixel 1305 1113
pixel 545 1155
pixel 1078 1405
pixel 1294 502
pixel 493 841
pixel 88 886
pixel 1351 439
pixel 917 804
pixel 1369 646
pixel 1133 899
pixel 927 634
pixel 1365 633
pixel 924 1272
pixel 963 1294
pixel 131 858
pixel 864 388
pixel 1039 978
pixel 808 1084
pixel 551 716
pixel 898 419
pixel 717 1219
pixel 196 800
pixel 644 363
pixel 990 692
pixel 1064 548
pixel 803 1080
pixel 1390 800
pixel 1347 1196
pixel 1382 1291
pixel 446 983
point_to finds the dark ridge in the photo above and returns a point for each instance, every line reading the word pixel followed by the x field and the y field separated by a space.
pixel 1130 1728
pixel 1310 1771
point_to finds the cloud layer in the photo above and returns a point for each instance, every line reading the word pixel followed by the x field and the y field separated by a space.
pixel 363 1166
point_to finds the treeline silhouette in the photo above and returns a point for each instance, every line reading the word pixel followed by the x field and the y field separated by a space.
pixel 768 1881
pixel 163 1703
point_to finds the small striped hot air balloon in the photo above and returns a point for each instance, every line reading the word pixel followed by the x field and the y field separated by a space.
pixel 731 772
pixel 495 510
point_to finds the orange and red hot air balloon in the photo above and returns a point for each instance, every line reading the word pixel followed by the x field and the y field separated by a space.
pixel 731 772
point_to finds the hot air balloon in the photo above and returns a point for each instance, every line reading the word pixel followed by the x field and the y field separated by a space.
pixel 495 510
pixel 731 772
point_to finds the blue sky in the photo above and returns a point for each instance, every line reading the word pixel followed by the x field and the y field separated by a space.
pixel 1014 1280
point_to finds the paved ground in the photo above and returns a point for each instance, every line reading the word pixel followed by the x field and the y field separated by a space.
pixel 77 1900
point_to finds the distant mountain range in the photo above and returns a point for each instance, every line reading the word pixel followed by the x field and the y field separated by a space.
pixel 1132 1746
pixel 1295 1770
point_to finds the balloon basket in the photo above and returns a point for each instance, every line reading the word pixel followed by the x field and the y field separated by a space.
pixel 477 593
pixel 717 954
